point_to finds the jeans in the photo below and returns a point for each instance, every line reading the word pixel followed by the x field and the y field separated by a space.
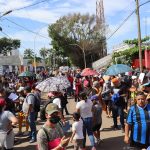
pixel 31 119
pixel 117 110
pixel 87 127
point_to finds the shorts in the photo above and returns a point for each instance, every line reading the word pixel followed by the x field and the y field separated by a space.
pixel 78 144
pixel 7 141
pixel 96 127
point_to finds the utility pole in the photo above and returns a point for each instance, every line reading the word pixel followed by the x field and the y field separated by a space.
pixel 139 35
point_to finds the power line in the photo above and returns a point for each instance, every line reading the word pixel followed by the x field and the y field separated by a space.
pixel 28 5
pixel 26 28
pixel 121 24
pixel 5 34
pixel 125 20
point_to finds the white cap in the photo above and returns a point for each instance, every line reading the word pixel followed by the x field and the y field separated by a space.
pixel 134 77
pixel 20 89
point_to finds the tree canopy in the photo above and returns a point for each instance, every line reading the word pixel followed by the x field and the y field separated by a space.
pixel 126 56
pixel 7 45
pixel 72 35
pixel 29 54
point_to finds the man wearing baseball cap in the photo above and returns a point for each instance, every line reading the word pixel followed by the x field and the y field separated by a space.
pixel 51 130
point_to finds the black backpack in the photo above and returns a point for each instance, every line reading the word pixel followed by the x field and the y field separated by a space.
pixel 36 103
pixel 42 111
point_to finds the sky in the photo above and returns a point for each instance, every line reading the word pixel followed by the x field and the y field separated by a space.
pixel 38 17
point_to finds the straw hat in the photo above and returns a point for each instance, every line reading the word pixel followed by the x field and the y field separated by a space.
pixel 106 78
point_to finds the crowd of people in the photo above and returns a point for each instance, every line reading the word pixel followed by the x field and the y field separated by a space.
pixel 122 97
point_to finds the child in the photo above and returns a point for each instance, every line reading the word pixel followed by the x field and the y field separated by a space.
pixel 97 117
pixel 77 132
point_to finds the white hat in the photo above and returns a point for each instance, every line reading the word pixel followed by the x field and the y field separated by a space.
pixel 134 77
pixel 20 89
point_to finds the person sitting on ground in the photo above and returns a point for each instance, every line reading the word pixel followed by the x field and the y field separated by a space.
pixel 51 135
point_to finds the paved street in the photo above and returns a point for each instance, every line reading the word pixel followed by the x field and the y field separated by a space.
pixel 112 140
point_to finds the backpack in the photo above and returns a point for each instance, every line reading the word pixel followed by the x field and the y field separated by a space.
pixel 37 102
pixel 115 97
pixel 42 111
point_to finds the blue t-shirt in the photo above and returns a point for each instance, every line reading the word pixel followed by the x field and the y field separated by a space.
pixel 139 119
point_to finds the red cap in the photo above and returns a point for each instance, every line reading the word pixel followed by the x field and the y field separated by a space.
pixel 2 102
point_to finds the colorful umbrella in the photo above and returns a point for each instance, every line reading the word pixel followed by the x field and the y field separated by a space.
pixel 58 83
pixel 117 69
pixel 86 69
pixel 26 74
pixel 89 72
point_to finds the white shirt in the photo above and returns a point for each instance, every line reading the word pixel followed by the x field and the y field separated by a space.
pixel 85 108
pixel 57 101
pixel 77 126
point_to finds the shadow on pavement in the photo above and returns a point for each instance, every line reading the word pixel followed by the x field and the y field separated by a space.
pixel 29 147
pixel 114 143
pixel 107 129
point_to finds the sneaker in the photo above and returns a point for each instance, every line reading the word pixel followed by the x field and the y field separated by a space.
pixel 99 141
pixel 101 129
pixel 115 128
pixel 93 148
pixel 32 141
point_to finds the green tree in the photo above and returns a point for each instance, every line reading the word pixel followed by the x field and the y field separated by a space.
pixel 135 41
pixel 28 53
pixel 126 56
pixel 76 35
pixel 44 54
pixel 7 45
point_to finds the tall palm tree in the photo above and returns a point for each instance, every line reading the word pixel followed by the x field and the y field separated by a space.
pixel 28 53
pixel 43 53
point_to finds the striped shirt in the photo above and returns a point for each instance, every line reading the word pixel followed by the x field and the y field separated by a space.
pixel 139 119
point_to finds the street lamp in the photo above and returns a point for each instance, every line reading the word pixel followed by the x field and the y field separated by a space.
pixel 83 50
pixel 6 13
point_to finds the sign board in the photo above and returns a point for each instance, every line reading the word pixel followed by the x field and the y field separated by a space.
pixel 64 69
pixel 1 70
pixel 141 78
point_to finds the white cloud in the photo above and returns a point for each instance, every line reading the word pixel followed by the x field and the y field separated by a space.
pixel 112 7
pixel 127 28
pixel 147 20
pixel 52 10
pixel 14 4
pixel 40 15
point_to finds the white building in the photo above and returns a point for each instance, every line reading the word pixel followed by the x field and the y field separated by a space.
pixel 122 47
pixel 11 62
